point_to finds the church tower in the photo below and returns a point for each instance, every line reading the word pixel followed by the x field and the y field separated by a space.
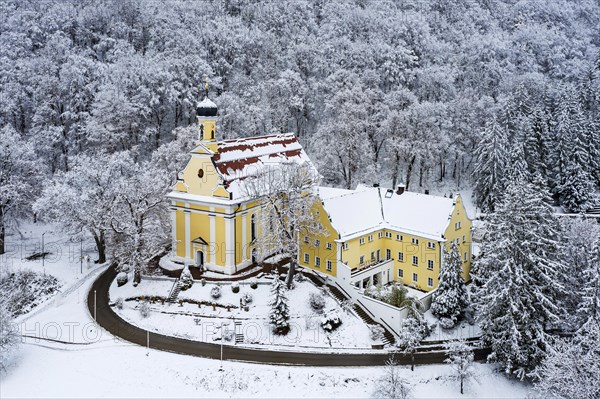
pixel 206 112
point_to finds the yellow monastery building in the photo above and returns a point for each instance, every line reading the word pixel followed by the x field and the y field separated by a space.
pixel 372 234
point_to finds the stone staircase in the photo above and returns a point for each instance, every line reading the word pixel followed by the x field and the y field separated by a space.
pixel 360 312
pixel 175 290
pixel 388 337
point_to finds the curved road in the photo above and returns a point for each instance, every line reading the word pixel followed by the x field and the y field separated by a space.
pixel 109 320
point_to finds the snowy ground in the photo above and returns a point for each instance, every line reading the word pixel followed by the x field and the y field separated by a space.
pixel 100 365
pixel 203 323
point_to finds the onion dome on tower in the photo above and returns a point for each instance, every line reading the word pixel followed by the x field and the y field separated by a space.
pixel 206 112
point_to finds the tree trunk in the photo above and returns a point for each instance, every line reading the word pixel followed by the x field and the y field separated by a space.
pixel 412 362
pixel 290 277
pixel 409 171
pixel 395 169
pixel 461 386
pixel 100 246
pixel 2 232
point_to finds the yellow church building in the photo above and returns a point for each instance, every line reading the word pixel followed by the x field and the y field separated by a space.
pixel 372 234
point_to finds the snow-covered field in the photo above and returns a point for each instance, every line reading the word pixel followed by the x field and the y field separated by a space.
pixel 100 365
pixel 203 323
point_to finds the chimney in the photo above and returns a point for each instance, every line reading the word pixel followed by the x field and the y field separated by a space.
pixel 400 189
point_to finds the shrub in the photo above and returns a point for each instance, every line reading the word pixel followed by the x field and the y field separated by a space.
pixel 376 332
pixel 145 309
pixel 235 287
pixel 247 298
pixel 446 322
pixel 122 279
pixel 331 321
pixel 215 292
pixel 316 302
pixel 228 335
pixel 119 303
pixel 186 281
pixel 253 284
pixel 299 277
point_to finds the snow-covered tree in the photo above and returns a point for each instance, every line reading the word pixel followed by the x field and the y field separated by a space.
pixel 518 279
pixel 572 367
pixel 491 157
pixel 450 298
pixel 460 358
pixel 392 385
pixel 9 336
pixel 412 332
pixel 589 308
pixel 279 315
pixel 285 192
pixel 18 175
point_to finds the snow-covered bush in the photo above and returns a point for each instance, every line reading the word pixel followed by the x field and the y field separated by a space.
pixel 447 322
pixel 203 282
pixel 247 298
pixel 228 335
pixel 27 288
pixel 122 279
pixel 235 287
pixel 253 284
pixel 185 280
pixel 280 312
pixel 331 321
pixel 299 276
pixel 145 309
pixel 215 292
pixel 316 302
pixel 9 336
pixel 119 303
pixel 376 332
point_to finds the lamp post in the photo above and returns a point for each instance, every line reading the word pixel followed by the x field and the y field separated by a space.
pixel 80 256
pixel 221 367
pixel 43 253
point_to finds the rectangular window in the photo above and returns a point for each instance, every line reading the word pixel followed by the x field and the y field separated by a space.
pixel 415 278
pixel 430 264
pixel 345 246
pixel 362 259
pixel 317 243
pixel 306 258
pixel 380 234
pixel 431 245
pixel 429 282
pixel 361 240
pixel 371 238
pixel 400 256
pixel 306 239
pixel 415 241
pixel 415 260
pixel 465 256
pixel 457 225
pixel 388 234
pixel 329 267
pixel 317 261
pixel 400 273
pixel 388 254
pixel 464 238
pixel 328 245
pixel 373 255
pixel 399 237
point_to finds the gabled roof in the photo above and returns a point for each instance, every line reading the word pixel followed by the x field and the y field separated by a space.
pixel 239 158
pixel 357 212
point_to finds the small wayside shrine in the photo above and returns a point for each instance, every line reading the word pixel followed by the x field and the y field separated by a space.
pixel 214 224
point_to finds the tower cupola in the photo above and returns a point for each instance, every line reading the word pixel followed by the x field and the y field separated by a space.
pixel 206 112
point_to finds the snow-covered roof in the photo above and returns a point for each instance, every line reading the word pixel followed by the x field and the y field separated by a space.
pixel 206 103
pixel 357 212
pixel 239 158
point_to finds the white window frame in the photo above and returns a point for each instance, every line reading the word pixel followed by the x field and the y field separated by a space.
pixel 361 260
pixel 430 264
pixel 306 258
pixel 317 261
pixel 400 256
pixel 361 240
pixel 431 245
pixel 400 273
pixel 430 282
pixel 328 245
pixel 415 278
pixel 388 254
pixel 370 237
pixel 399 237
pixel 317 243
pixel 329 266
pixel 415 241
pixel 415 260
pixel 465 257
pixel 345 246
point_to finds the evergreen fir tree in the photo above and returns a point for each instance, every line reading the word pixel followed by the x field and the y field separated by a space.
pixel 280 313
pixel 450 298
pixel 517 279
pixel 491 160
pixel 589 307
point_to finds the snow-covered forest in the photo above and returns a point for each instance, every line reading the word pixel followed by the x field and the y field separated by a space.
pixel 97 115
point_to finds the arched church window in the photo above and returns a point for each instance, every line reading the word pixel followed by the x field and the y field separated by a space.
pixel 253 227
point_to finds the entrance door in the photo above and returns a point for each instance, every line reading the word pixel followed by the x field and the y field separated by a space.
pixel 199 258
pixel 254 254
